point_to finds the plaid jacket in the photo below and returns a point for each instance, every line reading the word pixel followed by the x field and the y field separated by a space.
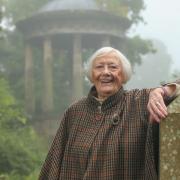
pixel 112 141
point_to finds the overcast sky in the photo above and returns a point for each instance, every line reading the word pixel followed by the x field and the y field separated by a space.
pixel 163 23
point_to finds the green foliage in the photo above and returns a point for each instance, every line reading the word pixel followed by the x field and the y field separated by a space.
pixel 21 9
pixel 129 9
pixel 115 6
pixel 12 62
pixel 5 98
pixel 20 147
pixel 1 14
pixel 136 48
pixel 1 18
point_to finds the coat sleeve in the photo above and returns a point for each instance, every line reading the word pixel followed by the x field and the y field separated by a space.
pixel 168 100
pixel 52 165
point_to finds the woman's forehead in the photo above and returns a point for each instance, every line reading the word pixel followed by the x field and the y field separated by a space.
pixel 112 56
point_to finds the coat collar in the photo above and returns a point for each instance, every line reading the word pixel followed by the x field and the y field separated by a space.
pixel 111 101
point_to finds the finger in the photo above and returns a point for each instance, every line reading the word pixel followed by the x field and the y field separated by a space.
pixel 161 101
pixel 151 119
pixel 154 117
pixel 161 110
pixel 158 109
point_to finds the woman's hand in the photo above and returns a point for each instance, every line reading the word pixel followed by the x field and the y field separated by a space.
pixel 156 105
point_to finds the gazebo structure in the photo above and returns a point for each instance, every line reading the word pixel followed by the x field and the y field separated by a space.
pixel 71 25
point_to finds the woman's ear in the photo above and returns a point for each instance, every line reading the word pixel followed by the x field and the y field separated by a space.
pixel 91 79
pixel 123 76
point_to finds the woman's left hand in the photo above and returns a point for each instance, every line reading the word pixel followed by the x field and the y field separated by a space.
pixel 156 105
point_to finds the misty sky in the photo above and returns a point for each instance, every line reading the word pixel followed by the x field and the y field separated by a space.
pixel 163 23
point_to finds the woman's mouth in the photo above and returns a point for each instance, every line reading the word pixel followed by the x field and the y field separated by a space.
pixel 106 81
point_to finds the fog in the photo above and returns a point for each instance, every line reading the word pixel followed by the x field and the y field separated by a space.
pixel 42 61
pixel 163 22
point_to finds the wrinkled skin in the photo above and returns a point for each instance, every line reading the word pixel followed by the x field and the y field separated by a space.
pixel 156 105
pixel 107 75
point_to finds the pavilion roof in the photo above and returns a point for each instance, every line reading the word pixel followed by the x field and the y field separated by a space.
pixel 58 5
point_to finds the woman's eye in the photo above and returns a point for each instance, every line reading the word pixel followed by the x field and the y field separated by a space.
pixel 99 67
pixel 113 67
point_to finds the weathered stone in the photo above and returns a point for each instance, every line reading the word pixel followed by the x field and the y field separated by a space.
pixel 29 80
pixel 47 99
pixel 170 143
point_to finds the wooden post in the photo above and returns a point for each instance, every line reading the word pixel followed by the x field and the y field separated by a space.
pixel 29 81
pixel 47 99
pixel 77 69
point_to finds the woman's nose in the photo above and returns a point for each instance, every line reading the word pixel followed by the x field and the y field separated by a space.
pixel 106 69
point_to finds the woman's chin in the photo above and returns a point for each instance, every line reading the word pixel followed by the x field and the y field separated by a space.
pixel 105 92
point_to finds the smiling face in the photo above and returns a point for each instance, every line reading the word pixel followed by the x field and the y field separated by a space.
pixel 107 75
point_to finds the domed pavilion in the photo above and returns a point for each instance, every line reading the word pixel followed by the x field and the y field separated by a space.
pixel 69 25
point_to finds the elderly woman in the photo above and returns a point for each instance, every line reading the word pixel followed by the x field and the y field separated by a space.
pixel 108 134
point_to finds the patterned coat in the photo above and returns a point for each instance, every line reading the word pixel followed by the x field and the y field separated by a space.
pixel 108 141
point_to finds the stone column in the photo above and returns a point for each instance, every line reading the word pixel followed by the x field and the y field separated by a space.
pixel 77 90
pixel 120 44
pixel 47 98
pixel 29 80
pixel 106 41
pixel 170 143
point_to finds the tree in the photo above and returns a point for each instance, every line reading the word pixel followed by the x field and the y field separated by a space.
pixel 154 69
pixel 129 9
pixel 1 18
pixel 20 149
pixel 134 47
pixel 20 9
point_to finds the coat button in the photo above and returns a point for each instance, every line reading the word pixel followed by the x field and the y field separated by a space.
pixel 115 120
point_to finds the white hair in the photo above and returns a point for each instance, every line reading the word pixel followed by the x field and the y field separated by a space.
pixel 126 66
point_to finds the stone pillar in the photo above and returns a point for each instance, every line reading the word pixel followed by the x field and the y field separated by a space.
pixel 77 90
pixel 47 98
pixel 170 143
pixel 120 44
pixel 106 41
pixel 29 80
